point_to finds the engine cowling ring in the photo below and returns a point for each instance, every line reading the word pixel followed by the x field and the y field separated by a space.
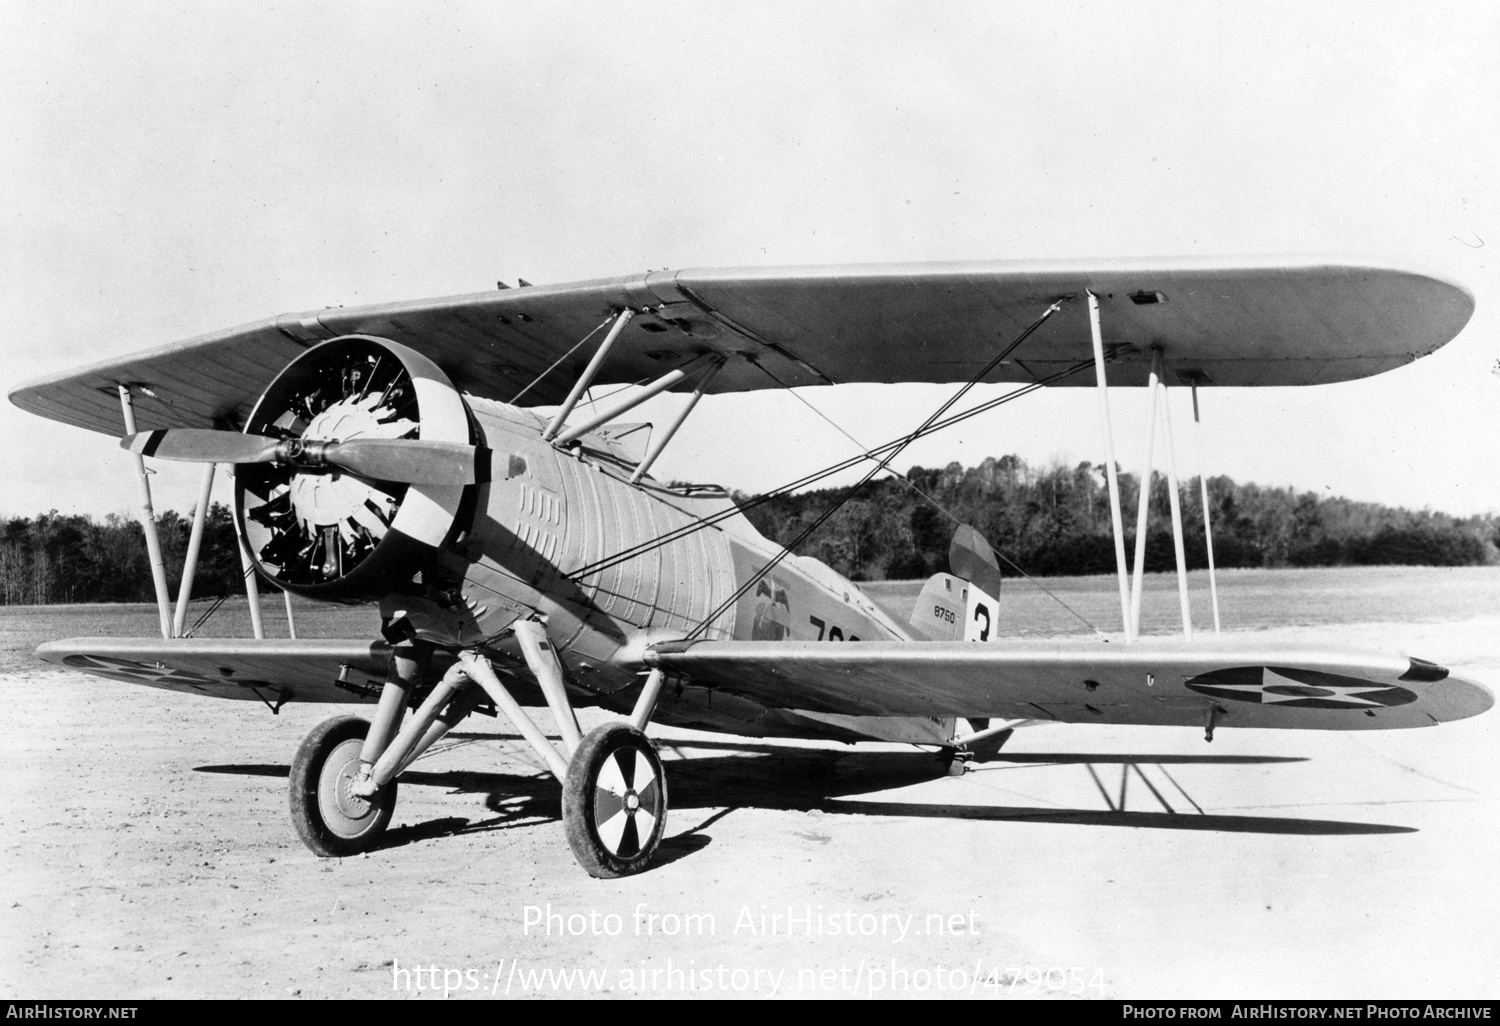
pixel 329 534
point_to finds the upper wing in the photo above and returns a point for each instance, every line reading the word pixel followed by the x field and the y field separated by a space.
pixel 1149 682
pixel 270 670
pixel 1221 322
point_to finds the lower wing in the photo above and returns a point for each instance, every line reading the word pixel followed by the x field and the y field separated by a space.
pixel 1238 683
pixel 274 671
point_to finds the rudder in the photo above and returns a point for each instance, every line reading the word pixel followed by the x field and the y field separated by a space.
pixel 964 603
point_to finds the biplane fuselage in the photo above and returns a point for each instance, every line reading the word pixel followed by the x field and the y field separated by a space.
pixel 548 512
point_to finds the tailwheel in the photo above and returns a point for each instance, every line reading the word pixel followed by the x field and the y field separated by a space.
pixel 614 801
pixel 329 817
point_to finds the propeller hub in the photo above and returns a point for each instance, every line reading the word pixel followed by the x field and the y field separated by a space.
pixel 303 452
pixel 338 498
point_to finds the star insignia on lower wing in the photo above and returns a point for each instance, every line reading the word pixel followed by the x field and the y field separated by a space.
pixel 1273 693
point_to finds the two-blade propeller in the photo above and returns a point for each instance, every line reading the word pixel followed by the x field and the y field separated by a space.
pixel 382 459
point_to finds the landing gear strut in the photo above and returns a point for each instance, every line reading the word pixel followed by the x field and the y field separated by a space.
pixel 343 785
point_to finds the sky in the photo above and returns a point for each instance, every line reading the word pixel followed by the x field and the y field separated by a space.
pixel 172 168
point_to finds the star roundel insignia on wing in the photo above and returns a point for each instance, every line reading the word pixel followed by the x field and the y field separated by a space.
pixel 1299 689
pixel 133 672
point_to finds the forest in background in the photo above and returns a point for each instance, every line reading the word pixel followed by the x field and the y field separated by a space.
pixel 1048 521
pixel 55 558
pixel 1055 521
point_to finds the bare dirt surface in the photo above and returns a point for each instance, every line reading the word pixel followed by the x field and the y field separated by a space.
pixel 146 852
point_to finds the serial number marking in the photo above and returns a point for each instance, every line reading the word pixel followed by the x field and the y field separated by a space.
pixel 834 633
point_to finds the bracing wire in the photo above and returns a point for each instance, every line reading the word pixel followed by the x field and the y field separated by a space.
pixel 556 363
pixel 883 464
pixel 944 510
pixel 215 607
pixel 931 424
pixel 652 544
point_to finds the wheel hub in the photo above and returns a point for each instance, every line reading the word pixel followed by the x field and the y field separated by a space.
pixel 350 803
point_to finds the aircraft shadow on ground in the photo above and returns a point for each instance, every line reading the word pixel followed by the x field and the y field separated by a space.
pixel 741 775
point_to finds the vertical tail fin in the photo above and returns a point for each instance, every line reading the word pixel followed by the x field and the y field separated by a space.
pixel 939 614
pixel 963 604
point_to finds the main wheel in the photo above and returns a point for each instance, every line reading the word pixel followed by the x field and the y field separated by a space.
pixel 614 801
pixel 329 817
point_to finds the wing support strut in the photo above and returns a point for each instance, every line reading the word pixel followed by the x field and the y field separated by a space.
pixel 195 543
pixel 1109 466
pixel 148 520
pixel 1143 502
pixel 656 387
pixel 252 583
pixel 1208 529
pixel 1159 415
pixel 657 445
pixel 587 378
pixel 1174 497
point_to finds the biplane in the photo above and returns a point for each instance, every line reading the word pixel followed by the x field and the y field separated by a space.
pixel 432 458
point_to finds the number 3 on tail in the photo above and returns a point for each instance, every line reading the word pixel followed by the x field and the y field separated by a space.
pixel 981 616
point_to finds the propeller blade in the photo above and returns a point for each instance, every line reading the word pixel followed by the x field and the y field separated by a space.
pixel 384 459
pixel 411 460
pixel 201 445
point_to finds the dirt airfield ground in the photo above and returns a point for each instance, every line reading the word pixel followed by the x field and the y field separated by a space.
pixel 146 852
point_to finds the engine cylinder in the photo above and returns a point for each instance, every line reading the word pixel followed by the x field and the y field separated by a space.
pixel 324 532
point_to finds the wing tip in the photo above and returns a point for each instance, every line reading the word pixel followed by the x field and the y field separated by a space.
pixel 1460 699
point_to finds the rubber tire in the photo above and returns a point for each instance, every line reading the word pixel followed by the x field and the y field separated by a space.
pixel 326 754
pixel 584 800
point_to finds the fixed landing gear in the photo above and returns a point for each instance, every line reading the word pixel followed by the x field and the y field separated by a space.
pixel 330 817
pixel 343 779
pixel 614 801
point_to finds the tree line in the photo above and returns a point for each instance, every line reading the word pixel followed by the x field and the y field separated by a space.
pixel 1056 520
pixel 56 558
pixel 1053 520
